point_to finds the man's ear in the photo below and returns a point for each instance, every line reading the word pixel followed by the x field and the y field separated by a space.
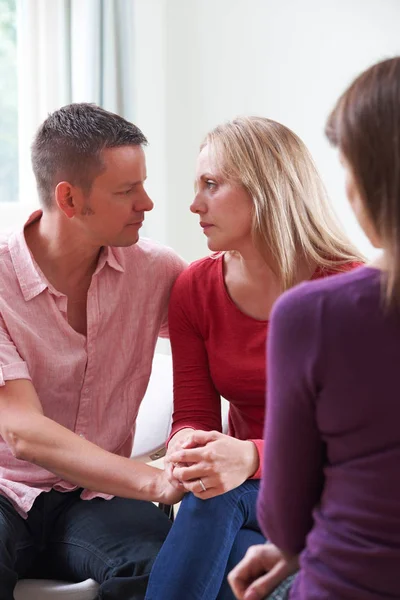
pixel 66 198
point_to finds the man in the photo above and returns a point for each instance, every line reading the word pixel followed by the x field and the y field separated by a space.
pixel 82 302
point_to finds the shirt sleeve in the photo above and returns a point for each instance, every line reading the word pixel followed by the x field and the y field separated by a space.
pixel 259 444
pixel 12 366
pixel 197 404
pixel 293 453
pixel 175 266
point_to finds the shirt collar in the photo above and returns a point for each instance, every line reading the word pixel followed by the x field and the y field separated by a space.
pixel 31 280
pixel 113 257
pixel 32 283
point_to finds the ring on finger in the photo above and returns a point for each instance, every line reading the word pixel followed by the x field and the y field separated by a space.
pixel 203 487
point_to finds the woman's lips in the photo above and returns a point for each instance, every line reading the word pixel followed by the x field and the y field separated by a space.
pixel 206 225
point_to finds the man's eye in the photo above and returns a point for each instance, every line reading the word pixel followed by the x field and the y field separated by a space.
pixel 210 184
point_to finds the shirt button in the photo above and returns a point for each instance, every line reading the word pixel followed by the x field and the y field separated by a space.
pixel 81 435
pixel 85 390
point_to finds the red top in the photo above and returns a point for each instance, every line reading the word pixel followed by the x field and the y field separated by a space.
pixel 217 351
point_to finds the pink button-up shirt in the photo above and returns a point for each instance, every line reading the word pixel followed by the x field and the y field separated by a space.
pixel 92 384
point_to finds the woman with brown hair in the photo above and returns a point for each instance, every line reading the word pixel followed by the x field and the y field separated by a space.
pixel 264 211
pixel 331 485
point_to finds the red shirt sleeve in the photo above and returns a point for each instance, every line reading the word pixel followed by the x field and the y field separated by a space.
pixel 259 444
pixel 197 404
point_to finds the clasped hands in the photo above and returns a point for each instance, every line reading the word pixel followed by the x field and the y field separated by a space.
pixel 220 461
pixel 223 463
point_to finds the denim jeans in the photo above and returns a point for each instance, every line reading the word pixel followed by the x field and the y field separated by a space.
pixel 207 539
pixel 113 541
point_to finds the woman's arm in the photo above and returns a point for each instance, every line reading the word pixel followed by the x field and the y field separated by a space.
pixel 293 453
pixel 222 462
pixel 197 403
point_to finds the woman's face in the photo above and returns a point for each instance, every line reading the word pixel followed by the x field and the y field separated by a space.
pixel 224 207
pixel 357 204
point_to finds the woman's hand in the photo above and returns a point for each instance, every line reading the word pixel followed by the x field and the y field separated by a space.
pixel 220 461
pixel 262 569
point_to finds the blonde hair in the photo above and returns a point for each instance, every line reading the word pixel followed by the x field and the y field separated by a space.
pixel 291 208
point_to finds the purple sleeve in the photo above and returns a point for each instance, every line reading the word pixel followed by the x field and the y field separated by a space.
pixel 293 452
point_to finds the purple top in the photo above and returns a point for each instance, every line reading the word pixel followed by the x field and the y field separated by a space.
pixel 331 484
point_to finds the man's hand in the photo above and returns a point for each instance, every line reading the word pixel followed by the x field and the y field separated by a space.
pixel 220 461
pixel 175 444
pixel 168 493
pixel 35 438
pixel 262 569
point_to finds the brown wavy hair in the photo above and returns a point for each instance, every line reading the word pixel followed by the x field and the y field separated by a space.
pixel 365 126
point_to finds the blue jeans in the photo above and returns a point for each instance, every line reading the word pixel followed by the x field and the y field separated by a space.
pixel 113 541
pixel 207 539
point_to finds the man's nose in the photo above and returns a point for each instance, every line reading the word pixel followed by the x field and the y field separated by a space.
pixel 145 203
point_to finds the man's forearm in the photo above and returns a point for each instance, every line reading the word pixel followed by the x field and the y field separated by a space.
pixel 49 445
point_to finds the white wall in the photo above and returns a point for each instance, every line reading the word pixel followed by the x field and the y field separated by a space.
pixel 200 62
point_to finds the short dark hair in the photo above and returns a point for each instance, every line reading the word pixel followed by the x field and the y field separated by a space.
pixel 68 146
pixel 365 126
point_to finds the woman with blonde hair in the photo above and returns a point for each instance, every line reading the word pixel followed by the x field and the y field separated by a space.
pixel 331 487
pixel 264 211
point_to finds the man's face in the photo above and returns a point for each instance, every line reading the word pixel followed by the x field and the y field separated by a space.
pixel 113 211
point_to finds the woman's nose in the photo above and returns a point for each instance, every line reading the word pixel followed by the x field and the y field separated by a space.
pixel 197 205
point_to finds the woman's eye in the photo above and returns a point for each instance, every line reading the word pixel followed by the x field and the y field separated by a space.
pixel 210 184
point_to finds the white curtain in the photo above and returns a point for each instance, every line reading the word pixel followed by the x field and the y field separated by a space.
pixel 70 51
